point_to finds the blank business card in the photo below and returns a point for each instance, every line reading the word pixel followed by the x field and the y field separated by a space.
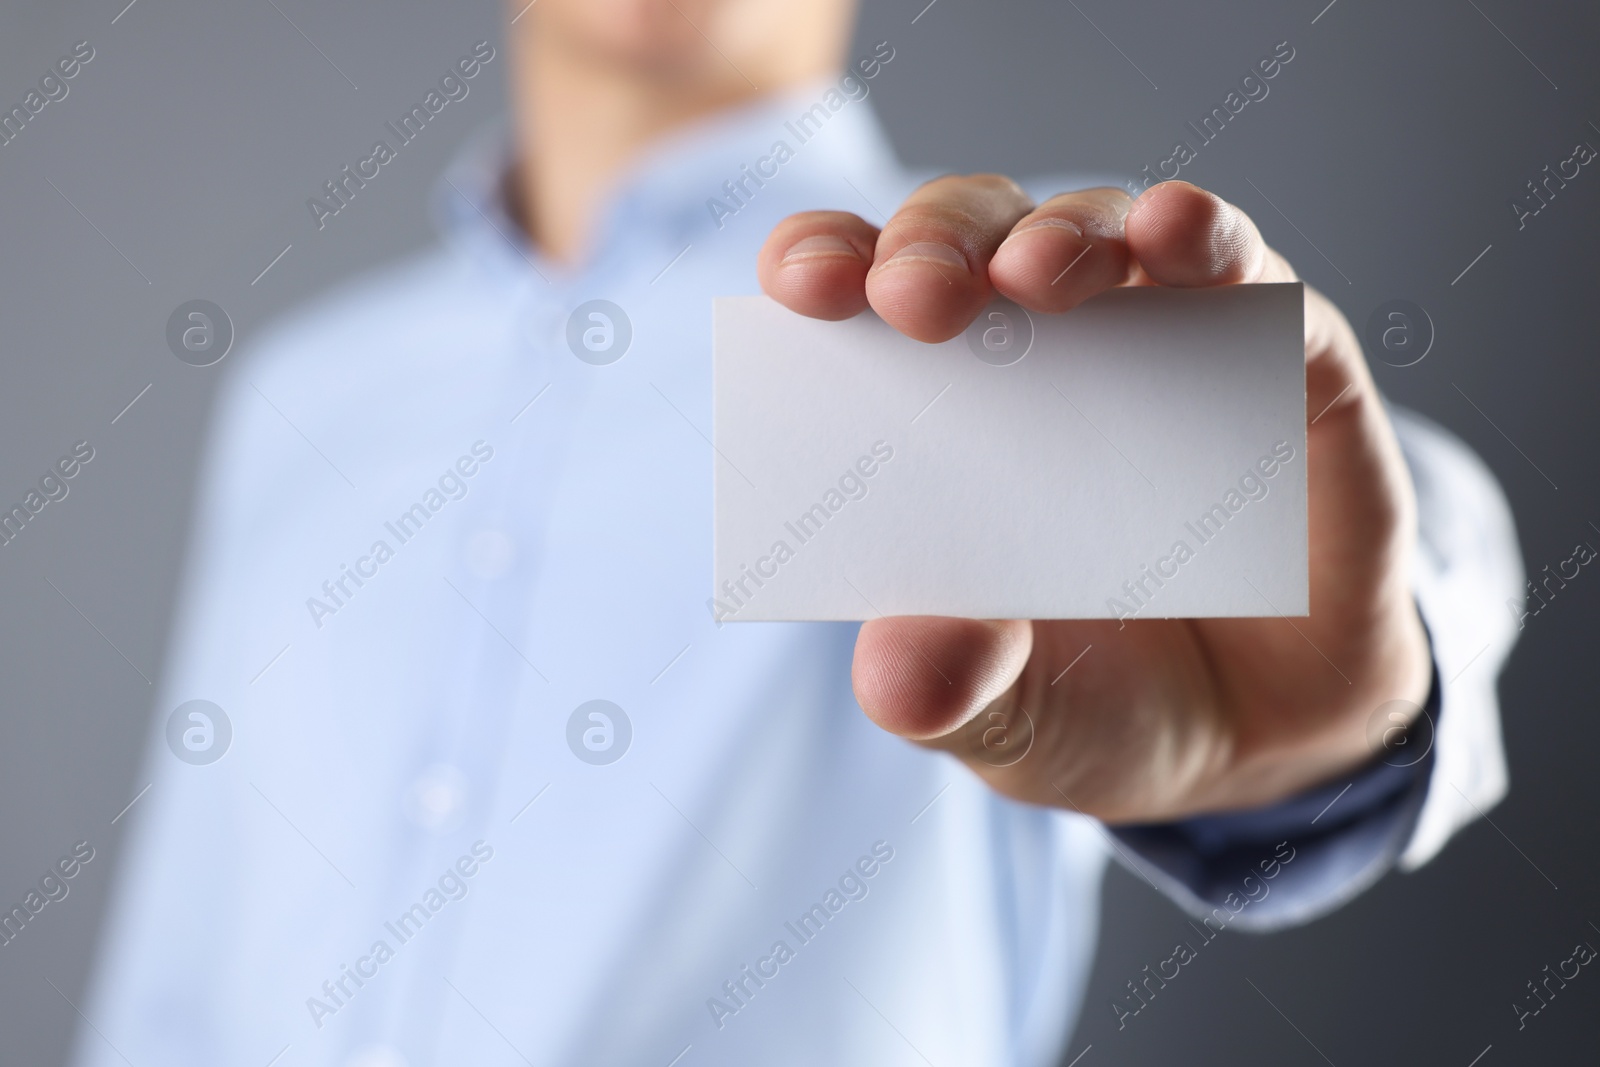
pixel 1141 456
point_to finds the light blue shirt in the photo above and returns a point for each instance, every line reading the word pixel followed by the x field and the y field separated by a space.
pixel 412 854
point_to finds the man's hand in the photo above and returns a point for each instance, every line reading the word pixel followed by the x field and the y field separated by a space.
pixel 1161 718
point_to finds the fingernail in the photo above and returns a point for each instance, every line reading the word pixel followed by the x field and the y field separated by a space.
pixel 820 246
pixel 940 255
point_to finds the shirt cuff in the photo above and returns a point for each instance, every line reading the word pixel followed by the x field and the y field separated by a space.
pixel 1298 859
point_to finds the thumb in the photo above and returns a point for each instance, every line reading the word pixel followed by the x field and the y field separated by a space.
pixel 923 677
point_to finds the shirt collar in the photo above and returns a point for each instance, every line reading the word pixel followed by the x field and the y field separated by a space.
pixel 670 182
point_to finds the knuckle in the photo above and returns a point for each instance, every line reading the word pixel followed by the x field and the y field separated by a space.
pixel 1097 212
pixel 983 182
pixel 1097 197
pixel 998 184
pixel 936 216
pixel 981 196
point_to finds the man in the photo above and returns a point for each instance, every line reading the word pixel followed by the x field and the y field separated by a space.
pixel 508 793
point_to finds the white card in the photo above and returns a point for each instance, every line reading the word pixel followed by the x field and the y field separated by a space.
pixel 1141 456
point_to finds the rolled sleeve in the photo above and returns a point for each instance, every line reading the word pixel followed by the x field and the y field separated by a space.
pixel 1469 586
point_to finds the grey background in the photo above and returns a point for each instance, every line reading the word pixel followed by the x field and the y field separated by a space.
pixel 1394 141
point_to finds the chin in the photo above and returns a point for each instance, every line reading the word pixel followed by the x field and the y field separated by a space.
pixel 641 33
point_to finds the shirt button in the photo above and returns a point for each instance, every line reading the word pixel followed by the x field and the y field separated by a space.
pixel 376 1056
pixel 490 554
pixel 437 797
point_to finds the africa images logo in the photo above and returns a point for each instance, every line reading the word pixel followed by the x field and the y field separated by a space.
pixel 599 732
pixel 1002 335
pixel 599 332
pixel 199 332
pixel 199 732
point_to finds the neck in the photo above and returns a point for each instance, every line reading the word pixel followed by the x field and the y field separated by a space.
pixel 580 120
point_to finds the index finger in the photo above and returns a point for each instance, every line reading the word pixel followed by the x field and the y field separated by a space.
pixel 815 263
